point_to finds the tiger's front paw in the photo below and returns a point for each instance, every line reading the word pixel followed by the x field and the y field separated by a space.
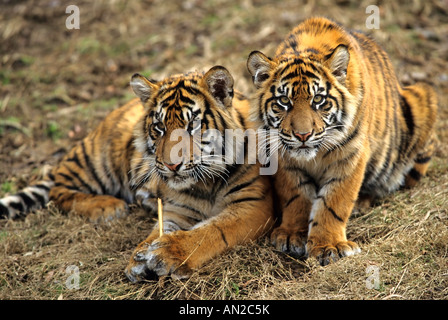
pixel 326 252
pixel 164 256
pixel 289 240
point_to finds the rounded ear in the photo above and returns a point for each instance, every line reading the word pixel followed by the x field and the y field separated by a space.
pixel 219 82
pixel 338 61
pixel 143 87
pixel 259 67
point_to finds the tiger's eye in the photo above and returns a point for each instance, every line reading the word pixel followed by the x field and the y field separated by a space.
pixel 284 100
pixel 318 99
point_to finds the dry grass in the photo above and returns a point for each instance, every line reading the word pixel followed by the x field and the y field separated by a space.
pixel 57 84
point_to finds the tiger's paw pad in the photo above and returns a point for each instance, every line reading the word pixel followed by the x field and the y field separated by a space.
pixel 289 240
pixel 161 258
pixel 326 254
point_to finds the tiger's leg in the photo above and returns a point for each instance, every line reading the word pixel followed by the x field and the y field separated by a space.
pixel 93 206
pixel 137 268
pixel 330 212
pixel 291 235
pixel 178 252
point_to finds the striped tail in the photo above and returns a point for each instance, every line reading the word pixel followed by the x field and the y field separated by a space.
pixel 31 198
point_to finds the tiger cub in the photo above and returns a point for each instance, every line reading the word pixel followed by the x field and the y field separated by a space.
pixel 347 132
pixel 168 145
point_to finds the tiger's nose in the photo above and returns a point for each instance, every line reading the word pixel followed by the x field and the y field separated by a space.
pixel 173 166
pixel 303 136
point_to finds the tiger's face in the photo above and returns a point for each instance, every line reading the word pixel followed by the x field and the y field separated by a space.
pixel 304 99
pixel 179 134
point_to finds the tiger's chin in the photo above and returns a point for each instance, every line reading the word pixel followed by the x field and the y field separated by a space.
pixel 303 154
pixel 180 182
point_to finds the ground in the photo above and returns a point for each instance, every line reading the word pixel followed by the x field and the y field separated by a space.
pixel 58 83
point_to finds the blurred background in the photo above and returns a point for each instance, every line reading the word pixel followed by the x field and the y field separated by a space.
pixel 56 84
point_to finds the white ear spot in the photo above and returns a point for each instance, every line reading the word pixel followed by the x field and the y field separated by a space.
pixel 142 87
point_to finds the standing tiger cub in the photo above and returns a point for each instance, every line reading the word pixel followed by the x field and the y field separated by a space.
pixel 347 132
pixel 166 145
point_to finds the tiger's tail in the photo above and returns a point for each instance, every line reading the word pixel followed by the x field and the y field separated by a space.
pixel 422 100
pixel 26 200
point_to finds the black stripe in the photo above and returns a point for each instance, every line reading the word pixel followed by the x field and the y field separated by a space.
pixel 42 186
pixel 66 176
pixel 310 75
pixel 331 210
pixel 290 75
pixel 39 198
pixel 193 91
pixel 185 99
pixel 241 186
pixel 174 222
pixel 241 119
pixel 222 121
pixel 422 160
pixel 76 175
pixel 29 202
pixel 245 199
pixel 92 168
pixel 407 114
pixel 4 212
pixel 75 159
pixel 346 140
pixel 186 207
pixel 307 179
pixel 386 165
pixel 64 197
pixel 343 162
pixel 58 184
pixel 414 174
pixel 222 236
pixel 197 193
pixel 331 181
pixel 234 172
pixel 240 96
pixel 17 206
pixel 291 200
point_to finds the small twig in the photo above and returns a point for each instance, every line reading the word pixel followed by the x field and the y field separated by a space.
pixel 16 126
pixel 399 282
pixel 160 216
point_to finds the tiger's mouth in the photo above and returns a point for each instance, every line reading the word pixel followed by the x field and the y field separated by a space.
pixel 203 172
pixel 299 150
pixel 176 180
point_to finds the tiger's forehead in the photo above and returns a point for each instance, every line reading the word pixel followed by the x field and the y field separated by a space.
pixel 188 79
pixel 297 76
pixel 178 97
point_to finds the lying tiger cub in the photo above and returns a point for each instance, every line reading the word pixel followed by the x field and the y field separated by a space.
pixel 165 145
pixel 347 132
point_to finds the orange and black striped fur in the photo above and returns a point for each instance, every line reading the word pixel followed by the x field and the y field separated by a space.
pixel 347 132
pixel 165 145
